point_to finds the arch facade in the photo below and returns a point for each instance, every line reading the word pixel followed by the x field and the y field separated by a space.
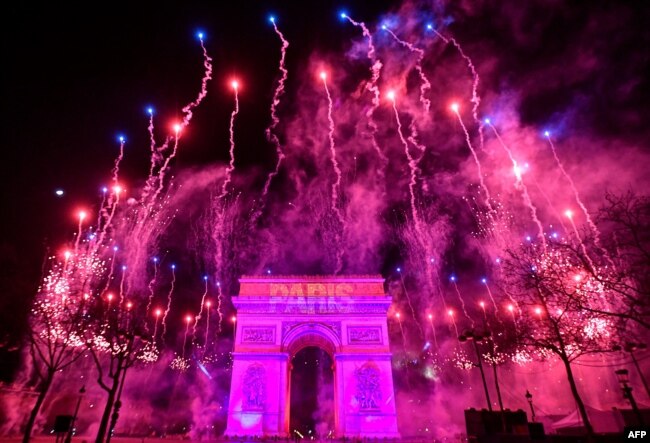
pixel 279 316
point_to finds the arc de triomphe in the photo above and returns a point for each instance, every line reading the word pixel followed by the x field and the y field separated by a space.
pixel 343 315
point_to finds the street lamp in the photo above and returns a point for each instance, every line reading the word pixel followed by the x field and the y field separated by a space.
pixel 68 438
pixel 470 336
pixel 493 358
pixel 529 399
pixel 630 348
pixel 624 379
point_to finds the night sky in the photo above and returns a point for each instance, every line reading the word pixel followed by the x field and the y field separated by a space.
pixel 78 77
pixel 74 77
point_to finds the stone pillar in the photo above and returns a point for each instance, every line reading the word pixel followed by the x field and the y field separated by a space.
pixel 258 394
pixel 284 399
pixel 339 416
pixel 366 399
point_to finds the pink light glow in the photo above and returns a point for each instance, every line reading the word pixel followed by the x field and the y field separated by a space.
pixel 298 229
pixel 325 278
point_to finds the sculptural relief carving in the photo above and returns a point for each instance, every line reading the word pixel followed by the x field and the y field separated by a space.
pixel 368 392
pixel 254 387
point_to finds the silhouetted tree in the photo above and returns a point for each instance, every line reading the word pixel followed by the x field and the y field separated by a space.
pixel 115 338
pixel 559 306
pixel 53 336
pixel 625 224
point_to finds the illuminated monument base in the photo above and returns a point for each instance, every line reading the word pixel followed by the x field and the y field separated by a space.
pixel 279 316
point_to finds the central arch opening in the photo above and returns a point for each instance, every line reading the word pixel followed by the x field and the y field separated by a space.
pixel 312 394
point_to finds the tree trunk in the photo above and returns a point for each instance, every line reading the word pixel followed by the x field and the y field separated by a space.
pixel 108 408
pixel 576 396
pixel 116 409
pixel 45 387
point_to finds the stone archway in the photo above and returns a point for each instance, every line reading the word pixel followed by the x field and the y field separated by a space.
pixel 312 406
pixel 346 317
